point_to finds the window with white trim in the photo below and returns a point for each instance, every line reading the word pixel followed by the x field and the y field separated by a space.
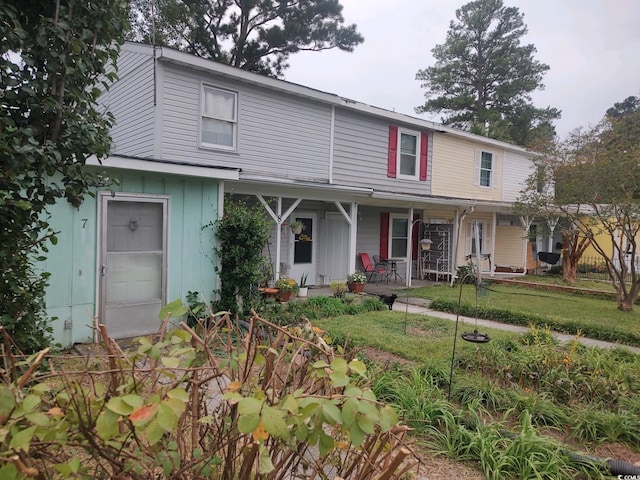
pixel 484 169
pixel 218 122
pixel 408 154
pixel 479 228
pixel 398 230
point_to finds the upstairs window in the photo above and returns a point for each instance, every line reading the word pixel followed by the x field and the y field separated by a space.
pixel 219 124
pixel 484 169
pixel 407 155
pixel 408 158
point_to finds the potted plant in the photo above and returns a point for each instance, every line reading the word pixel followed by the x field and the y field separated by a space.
pixel 286 288
pixel 338 288
pixel 356 281
pixel 303 290
pixel 296 227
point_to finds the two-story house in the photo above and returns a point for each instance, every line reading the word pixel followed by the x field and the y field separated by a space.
pixel 192 134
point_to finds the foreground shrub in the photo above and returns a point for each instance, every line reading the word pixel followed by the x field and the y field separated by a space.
pixel 200 403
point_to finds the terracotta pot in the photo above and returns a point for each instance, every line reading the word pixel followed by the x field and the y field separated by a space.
pixel 284 296
pixel 355 287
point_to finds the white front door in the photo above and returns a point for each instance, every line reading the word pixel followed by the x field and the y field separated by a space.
pixel 334 252
pixel 303 249
pixel 133 263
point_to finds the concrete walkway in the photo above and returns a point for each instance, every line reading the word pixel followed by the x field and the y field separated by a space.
pixel 421 306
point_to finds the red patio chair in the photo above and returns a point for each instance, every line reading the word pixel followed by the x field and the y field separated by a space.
pixel 373 270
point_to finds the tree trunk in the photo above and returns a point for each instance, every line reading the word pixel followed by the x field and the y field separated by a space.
pixel 625 302
pixel 569 267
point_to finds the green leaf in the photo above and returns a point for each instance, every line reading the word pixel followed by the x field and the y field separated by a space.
pixel 107 425
pixel 154 353
pixel 174 309
pixel 10 472
pixel 264 461
pixel 274 423
pixel 170 362
pixel 166 417
pixel 249 406
pixel 339 379
pixel 22 439
pixel 356 435
pixel 178 393
pixel 38 418
pixel 358 367
pixel 331 414
pixel 248 423
pixel 154 432
pixel 388 418
pixel 339 365
pixel 349 410
pixel 119 406
pixel 135 401
pixel 366 424
pixel 325 444
pixel 7 403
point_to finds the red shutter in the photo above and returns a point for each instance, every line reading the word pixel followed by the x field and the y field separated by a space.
pixel 415 231
pixel 424 150
pixel 393 152
pixel 384 235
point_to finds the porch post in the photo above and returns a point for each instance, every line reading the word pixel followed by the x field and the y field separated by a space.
pixel 409 246
pixel 526 225
pixel 353 234
pixel 352 220
pixel 493 243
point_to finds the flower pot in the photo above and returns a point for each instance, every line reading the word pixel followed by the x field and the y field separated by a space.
pixel 355 287
pixel 284 296
pixel 303 292
pixel 296 230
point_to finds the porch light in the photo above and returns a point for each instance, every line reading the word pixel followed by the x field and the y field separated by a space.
pixel 425 244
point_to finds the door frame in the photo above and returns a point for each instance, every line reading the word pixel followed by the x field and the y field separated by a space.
pixel 101 235
pixel 311 280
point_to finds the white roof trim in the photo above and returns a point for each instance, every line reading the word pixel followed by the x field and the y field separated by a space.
pixel 150 165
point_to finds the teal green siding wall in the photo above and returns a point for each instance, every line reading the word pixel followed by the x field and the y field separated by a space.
pixel 72 296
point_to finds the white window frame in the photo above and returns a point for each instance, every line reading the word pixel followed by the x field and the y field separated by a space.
pixel 479 169
pixel 417 135
pixel 392 217
pixel 234 121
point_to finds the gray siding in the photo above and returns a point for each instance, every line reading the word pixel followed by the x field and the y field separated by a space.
pixel 278 135
pixel 130 100
pixel 360 155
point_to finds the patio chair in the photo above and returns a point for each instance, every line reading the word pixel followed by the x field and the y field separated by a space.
pixel 373 270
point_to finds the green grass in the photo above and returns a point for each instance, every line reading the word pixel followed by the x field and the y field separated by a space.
pixel 558 307
pixel 428 339
pixel 602 285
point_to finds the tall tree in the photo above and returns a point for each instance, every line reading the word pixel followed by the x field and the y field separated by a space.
pixel 255 35
pixel 483 77
pixel 597 190
pixel 53 57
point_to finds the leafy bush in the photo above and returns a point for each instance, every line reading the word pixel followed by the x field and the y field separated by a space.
pixel 201 405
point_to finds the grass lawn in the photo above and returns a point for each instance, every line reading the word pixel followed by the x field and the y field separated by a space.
pixel 559 307
pixel 428 339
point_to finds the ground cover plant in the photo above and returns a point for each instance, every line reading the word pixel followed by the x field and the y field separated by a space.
pixel 593 317
pixel 521 406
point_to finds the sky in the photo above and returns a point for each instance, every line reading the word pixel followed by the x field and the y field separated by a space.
pixel 591 46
